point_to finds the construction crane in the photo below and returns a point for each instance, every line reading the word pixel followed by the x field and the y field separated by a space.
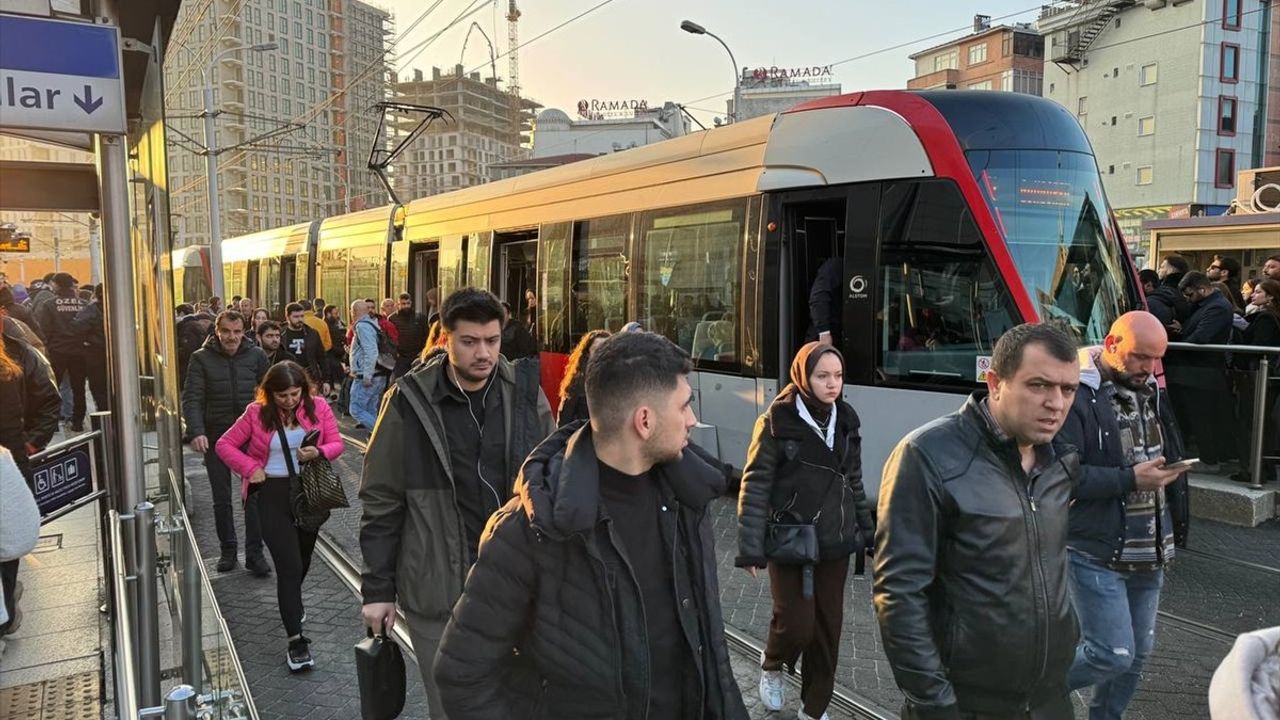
pixel 513 43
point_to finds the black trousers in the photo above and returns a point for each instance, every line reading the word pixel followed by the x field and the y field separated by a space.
pixel 807 628
pixel 73 364
pixel 96 370
pixel 290 547
pixel 222 485
pixel 1210 412
pixel 8 578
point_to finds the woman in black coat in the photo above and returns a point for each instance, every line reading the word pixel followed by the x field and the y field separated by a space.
pixel 573 391
pixel 805 465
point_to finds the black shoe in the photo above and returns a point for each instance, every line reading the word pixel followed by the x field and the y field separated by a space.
pixel 299 656
pixel 228 561
pixel 257 565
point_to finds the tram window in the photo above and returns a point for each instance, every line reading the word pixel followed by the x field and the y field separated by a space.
pixel 271 293
pixel 452 269
pixel 553 287
pixel 690 278
pixel 598 288
pixel 333 279
pixel 941 302
pixel 364 277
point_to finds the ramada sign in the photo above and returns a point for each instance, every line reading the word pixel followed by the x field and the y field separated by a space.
pixel 600 108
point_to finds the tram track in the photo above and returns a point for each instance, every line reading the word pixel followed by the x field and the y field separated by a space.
pixel 843 700
pixel 1218 557
pixel 1195 627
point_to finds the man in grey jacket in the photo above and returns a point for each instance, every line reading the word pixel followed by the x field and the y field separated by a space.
pixel 971 545
pixel 444 455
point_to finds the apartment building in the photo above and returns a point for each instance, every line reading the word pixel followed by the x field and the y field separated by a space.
pixel 1002 57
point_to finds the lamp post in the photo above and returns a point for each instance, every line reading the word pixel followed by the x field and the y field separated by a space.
pixel 211 165
pixel 695 29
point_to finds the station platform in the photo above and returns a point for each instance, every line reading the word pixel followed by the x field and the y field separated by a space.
pixel 1224 584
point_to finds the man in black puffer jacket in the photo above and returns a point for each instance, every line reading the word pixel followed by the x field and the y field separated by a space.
pixel 222 379
pixel 1166 301
pixel 601 572
pixel 971 544
pixel 64 342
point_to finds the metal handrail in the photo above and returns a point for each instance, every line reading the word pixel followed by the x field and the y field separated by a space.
pixel 64 445
pixel 1257 436
pixel 125 669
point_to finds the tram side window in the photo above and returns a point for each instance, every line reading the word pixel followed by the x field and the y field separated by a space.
pixel 941 302
pixel 364 278
pixel 690 280
pixel 452 270
pixel 333 279
pixel 271 293
pixel 598 290
pixel 553 286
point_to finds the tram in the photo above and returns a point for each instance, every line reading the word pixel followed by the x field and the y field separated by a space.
pixel 953 214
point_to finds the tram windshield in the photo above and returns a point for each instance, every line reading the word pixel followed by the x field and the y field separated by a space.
pixel 1051 210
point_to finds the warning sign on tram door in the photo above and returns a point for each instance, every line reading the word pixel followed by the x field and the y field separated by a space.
pixel 60 75
pixel 62 479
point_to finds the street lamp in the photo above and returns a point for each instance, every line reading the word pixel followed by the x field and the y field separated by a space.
pixel 211 165
pixel 694 28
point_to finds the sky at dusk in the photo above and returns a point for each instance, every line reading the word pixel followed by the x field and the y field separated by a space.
pixel 634 49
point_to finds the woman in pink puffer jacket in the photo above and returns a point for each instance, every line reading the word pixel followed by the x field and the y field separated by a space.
pixel 264 447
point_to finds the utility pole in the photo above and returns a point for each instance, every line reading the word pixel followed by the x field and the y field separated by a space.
pixel 211 166
pixel 95 251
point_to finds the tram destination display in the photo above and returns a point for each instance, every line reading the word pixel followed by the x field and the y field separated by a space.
pixel 62 478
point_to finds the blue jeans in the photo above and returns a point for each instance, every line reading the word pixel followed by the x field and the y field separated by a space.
pixel 1117 613
pixel 365 400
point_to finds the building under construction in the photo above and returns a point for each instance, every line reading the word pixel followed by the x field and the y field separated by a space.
pixel 489 126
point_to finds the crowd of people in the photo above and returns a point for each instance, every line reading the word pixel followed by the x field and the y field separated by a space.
pixel 569 570
pixel 52 343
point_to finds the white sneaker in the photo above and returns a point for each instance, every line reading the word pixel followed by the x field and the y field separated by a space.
pixel 800 715
pixel 771 690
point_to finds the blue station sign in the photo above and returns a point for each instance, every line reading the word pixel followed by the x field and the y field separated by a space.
pixel 60 75
pixel 63 478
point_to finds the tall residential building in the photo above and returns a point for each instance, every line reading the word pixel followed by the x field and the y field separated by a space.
pixel 1003 57
pixel 599 132
pixel 489 126
pixel 330 66
pixel 1268 141
pixel 1169 93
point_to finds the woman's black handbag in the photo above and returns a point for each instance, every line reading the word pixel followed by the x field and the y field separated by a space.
pixel 306 516
pixel 788 540
pixel 380 674
pixel 322 486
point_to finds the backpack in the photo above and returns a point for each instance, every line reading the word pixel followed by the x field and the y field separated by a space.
pixel 387 350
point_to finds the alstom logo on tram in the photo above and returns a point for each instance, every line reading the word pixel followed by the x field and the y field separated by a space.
pixel 951 216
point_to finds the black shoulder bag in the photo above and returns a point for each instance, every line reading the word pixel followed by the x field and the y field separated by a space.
pixel 790 540
pixel 305 515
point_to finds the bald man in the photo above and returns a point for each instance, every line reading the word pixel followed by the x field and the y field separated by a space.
pixel 1128 508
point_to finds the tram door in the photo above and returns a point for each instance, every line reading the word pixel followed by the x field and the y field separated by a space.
pixel 828 251
pixel 288 281
pixel 424 269
pixel 517 267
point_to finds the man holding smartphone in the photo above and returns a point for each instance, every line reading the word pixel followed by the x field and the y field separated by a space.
pixel 1129 508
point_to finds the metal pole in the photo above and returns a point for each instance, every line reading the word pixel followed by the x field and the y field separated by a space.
pixel 95 251
pixel 99 422
pixel 192 632
pixel 737 80
pixel 1259 417
pixel 180 703
pixel 144 528
pixel 215 209
pixel 122 330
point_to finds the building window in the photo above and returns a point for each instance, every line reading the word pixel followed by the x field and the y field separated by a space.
pixel 1224 168
pixel 1006 81
pixel 1226 115
pixel 1146 126
pixel 1231 14
pixel 1230 72
pixel 947 61
pixel 1082 106
pixel 1148 74
pixel 1145 175
pixel 977 54
pixel 1006 45
pixel 984 85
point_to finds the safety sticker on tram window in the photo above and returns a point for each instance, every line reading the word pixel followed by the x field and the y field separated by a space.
pixel 983 364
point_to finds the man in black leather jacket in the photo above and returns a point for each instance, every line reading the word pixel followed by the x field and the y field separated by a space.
pixel 971 544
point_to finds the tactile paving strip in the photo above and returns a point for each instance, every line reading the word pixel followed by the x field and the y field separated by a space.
pixel 74 697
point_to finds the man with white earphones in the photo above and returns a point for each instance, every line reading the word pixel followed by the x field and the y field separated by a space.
pixel 443 457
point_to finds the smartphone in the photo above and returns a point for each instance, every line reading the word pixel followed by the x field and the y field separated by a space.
pixel 1183 464
pixel 311 438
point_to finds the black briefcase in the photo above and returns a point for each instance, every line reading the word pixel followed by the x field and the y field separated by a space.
pixel 380 672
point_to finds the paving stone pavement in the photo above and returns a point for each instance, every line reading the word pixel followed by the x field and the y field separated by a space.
pixel 329 691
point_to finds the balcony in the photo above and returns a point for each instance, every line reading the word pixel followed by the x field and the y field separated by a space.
pixel 939 79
